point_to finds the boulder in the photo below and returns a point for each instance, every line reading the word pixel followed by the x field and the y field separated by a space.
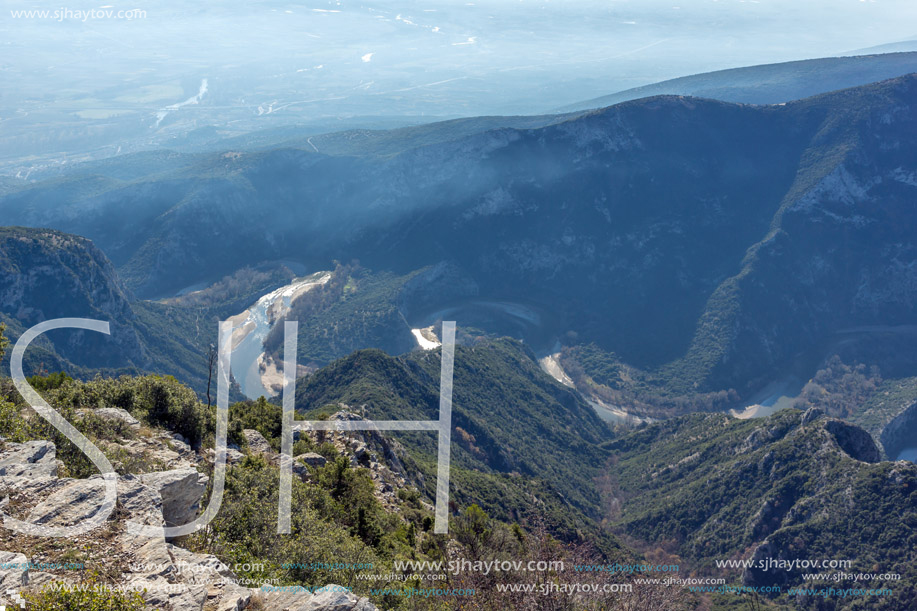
pixel 114 413
pixel 181 491
pixel 180 444
pixel 257 444
pixel 233 457
pixel 312 459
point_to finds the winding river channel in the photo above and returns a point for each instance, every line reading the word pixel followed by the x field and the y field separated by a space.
pixel 251 328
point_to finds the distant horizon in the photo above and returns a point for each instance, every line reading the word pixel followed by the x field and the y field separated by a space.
pixel 113 76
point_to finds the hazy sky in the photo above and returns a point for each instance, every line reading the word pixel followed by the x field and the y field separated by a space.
pixel 266 59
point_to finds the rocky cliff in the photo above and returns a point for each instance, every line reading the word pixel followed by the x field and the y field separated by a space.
pixel 46 274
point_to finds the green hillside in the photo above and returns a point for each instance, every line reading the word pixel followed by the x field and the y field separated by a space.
pixel 795 485
pixel 522 443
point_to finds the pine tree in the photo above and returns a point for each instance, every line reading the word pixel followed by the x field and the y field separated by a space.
pixel 3 341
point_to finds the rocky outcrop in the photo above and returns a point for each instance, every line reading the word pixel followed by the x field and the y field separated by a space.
pixel 771 433
pixel 331 598
pixel 811 414
pixel 381 455
pixel 14 576
pixel 47 274
pixel 233 456
pixel 156 451
pixel 170 577
pixel 260 446
pixel 113 413
pixel 257 444
pixel 181 491
pixel 312 459
pixel 32 459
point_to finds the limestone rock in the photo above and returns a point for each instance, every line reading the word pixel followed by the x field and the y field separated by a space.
pixel 174 578
pixel 231 597
pixel 181 491
pixel 331 598
pixel 233 457
pixel 312 459
pixel 13 571
pixel 30 459
pixel 114 413
pixel 811 414
pixel 257 444
pixel 77 501
pixel 180 444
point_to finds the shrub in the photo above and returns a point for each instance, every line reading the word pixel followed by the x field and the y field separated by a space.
pixel 264 417
pixel 91 595
pixel 157 400
pixel 49 382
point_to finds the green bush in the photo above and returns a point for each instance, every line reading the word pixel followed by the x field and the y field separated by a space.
pixel 472 528
pixel 91 595
pixel 157 400
pixel 264 417
pixel 3 341
pixel 243 532
pixel 48 382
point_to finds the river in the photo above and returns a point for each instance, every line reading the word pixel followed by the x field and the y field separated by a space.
pixel 251 328
pixel 771 399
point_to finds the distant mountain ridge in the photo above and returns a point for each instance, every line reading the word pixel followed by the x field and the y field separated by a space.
pixel 772 83
pixel 703 242
pixel 890 47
